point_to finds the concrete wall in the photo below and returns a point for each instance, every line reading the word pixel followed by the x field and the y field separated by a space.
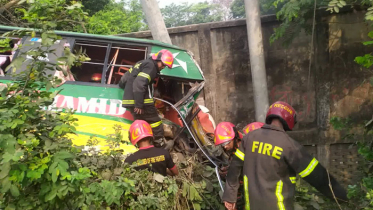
pixel 334 85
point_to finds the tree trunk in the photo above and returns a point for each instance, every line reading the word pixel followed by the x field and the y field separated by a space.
pixel 155 21
pixel 258 71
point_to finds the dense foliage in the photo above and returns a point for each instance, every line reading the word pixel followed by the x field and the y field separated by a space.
pixel 117 17
pixel 40 168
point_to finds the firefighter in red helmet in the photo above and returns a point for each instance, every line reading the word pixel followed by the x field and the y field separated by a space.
pixel 270 161
pixel 227 135
pixel 138 95
pixel 149 157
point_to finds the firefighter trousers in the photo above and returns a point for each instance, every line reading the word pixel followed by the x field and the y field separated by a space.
pixel 151 116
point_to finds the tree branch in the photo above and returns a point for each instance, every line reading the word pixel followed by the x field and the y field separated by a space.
pixel 8 5
pixel 85 30
pixel 3 20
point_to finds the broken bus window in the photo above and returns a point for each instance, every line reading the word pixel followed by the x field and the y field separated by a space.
pixel 119 60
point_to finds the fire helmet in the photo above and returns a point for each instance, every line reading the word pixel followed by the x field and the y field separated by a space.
pixel 165 57
pixel 252 126
pixel 284 112
pixel 225 132
pixel 139 130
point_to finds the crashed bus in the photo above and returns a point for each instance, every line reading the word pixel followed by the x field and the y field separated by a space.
pixel 92 89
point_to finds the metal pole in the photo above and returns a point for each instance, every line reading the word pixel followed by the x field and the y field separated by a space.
pixel 258 71
pixel 155 21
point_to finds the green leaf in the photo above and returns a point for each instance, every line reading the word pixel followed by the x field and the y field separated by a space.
pixel 370 34
pixel 368 43
pixel 34 174
pixel 192 192
pixel 315 204
pixel 62 188
pixel 49 86
pixel 10 207
pixel 185 189
pixel 23 167
pixel 44 189
pixel 208 173
pixel 7 157
pixel 62 59
pixel 336 9
pixel 55 176
pixel 52 167
pixel 297 206
pixel 5 168
pixel 3 91
pixel 366 60
pixel 51 195
pixel 16 64
pixel 5 185
pixel 15 157
pixel 44 38
pixel 196 206
pixel 63 164
pixel 14 190
pixel 63 155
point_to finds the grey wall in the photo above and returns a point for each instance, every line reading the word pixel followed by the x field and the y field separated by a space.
pixel 334 85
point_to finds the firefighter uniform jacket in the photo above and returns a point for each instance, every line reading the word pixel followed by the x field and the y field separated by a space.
pixel 271 160
pixel 137 84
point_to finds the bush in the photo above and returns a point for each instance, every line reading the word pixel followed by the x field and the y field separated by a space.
pixel 39 166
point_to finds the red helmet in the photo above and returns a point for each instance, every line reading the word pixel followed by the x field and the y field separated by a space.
pixel 165 56
pixel 284 112
pixel 139 130
pixel 225 132
pixel 252 126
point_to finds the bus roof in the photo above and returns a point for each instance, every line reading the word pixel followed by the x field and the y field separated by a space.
pixel 100 37
pixel 184 67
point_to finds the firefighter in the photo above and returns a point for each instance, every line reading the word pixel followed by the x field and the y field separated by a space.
pixel 138 94
pixel 270 160
pixel 149 157
pixel 227 135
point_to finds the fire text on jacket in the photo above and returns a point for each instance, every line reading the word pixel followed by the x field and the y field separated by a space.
pixel 267 149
